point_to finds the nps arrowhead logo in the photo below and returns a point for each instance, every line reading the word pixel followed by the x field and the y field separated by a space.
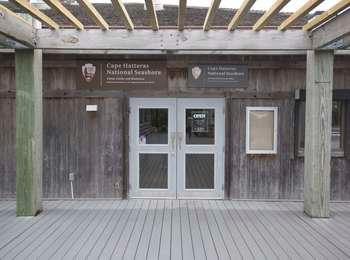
pixel 88 70
pixel 196 72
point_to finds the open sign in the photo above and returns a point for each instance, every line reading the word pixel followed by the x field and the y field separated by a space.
pixel 199 115
pixel 200 122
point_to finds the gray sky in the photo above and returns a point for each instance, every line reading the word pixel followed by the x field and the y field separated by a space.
pixel 259 5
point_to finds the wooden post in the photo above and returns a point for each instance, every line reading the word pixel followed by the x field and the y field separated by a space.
pixel 29 133
pixel 318 127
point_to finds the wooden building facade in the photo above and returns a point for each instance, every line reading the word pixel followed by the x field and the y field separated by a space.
pixel 94 145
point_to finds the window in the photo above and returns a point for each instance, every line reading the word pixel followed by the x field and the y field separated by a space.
pixel 261 130
pixel 338 118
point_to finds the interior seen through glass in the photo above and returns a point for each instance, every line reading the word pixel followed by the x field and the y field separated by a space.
pixel 153 126
pixel 200 126
pixel 199 171
pixel 153 171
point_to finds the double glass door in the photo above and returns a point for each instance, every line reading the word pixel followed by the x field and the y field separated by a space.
pixel 176 147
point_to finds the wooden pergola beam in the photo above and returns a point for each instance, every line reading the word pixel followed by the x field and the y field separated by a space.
pixel 152 15
pixel 35 12
pixel 94 14
pixel 340 6
pixel 16 28
pixel 55 4
pixel 6 42
pixel 274 9
pixel 334 30
pixel 211 14
pixel 120 8
pixel 305 9
pixel 182 14
pixel 173 40
pixel 241 12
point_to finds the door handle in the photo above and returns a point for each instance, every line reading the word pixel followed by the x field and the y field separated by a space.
pixel 179 140
pixel 173 142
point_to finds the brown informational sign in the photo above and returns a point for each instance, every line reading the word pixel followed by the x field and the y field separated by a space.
pixel 121 74
pixel 217 75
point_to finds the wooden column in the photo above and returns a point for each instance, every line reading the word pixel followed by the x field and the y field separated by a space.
pixel 29 133
pixel 318 126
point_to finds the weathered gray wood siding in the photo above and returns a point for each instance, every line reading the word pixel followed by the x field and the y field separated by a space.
pixel 94 146
pixel 88 144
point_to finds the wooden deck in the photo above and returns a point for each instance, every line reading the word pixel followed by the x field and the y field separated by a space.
pixel 174 229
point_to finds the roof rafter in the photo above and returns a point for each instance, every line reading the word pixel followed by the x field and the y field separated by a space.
pixel 305 9
pixel 94 14
pixel 182 14
pixel 275 8
pixel 55 4
pixel 333 34
pixel 326 15
pixel 16 28
pixel 152 15
pixel 210 14
pixel 241 12
pixel 119 6
pixel 35 12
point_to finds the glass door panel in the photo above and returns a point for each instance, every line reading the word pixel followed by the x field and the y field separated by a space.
pixel 153 149
pixel 176 148
pixel 200 152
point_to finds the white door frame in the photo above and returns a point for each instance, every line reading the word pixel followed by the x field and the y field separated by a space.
pixel 176 147
pixel 217 149
pixel 136 148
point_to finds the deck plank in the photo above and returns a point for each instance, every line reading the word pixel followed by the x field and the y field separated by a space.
pixel 186 236
pixel 254 229
pixel 116 234
pixel 176 240
pixel 134 224
pixel 131 241
pixel 197 240
pixel 15 227
pixel 155 236
pixel 140 237
pixel 218 240
pixel 36 226
pixel 268 232
pixel 296 248
pixel 233 229
pixel 52 244
pixel 174 229
pixel 208 242
pixel 312 239
pixel 72 243
pixel 104 237
pixel 327 235
pixel 165 241
pixel 253 244
pixel 230 243
pixel 33 239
